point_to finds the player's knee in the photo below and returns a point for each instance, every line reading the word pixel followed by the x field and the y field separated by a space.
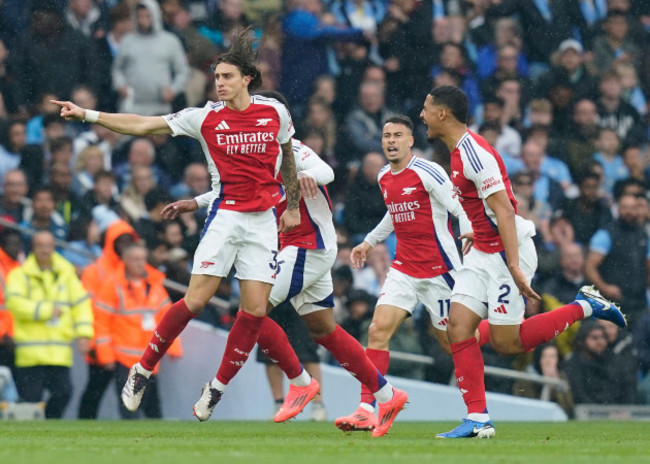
pixel 318 333
pixel 457 331
pixel 195 302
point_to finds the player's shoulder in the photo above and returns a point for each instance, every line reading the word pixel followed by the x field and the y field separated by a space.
pixel 429 169
pixel 302 150
pixel 268 101
pixel 383 171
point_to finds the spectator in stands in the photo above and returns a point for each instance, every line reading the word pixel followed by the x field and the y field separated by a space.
pixel 118 236
pixel 107 141
pixel 11 247
pixel 43 215
pixel 615 46
pixel 141 153
pixel 14 202
pixel 545 24
pixel 509 90
pixel 103 194
pixel 106 49
pixel 65 62
pixel 592 373
pixel 506 32
pixel 568 73
pixel 547 362
pixel 150 69
pixel 615 113
pixel 452 56
pixel 547 189
pixel 506 68
pixel 621 348
pixel 529 207
pixel 7 85
pixel 128 307
pixel 406 45
pixel 196 181
pixel 619 254
pixel 632 91
pixel 588 212
pixel 319 117
pixel 305 47
pixel 81 95
pixel 608 155
pixel 36 125
pixel 359 307
pixel 147 226
pixel 83 16
pixel 89 162
pixel 509 140
pixel 132 198
pixel 364 205
pixel 582 135
pixel 364 124
pixel 227 19
pixel 51 309
pixel 83 241
pixel 636 163
pixel 16 153
pixel 66 202
pixel 642 345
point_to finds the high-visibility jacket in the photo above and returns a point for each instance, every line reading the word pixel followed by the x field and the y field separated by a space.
pixel 129 312
pixel 95 276
pixel 31 296
pixel 6 319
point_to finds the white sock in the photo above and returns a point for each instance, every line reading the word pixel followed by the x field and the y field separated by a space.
pixel 141 370
pixel 368 407
pixel 301 380
pixel 218 385
pixel 478 417
pixel 586 308
pixel 384 394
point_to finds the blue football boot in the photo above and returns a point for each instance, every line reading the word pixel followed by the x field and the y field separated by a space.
pixel 471 429
pixel 602 307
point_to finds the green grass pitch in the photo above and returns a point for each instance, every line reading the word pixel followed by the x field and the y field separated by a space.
pixel 170 442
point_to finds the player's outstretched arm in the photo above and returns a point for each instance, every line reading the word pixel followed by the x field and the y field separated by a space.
pixel 500 204
pixel 290 219
pixel 129 124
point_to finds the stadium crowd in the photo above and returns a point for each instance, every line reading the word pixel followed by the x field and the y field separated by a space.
pixel 560 89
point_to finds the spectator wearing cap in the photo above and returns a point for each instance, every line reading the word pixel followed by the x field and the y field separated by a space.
pixel 618 259
pixel 569 78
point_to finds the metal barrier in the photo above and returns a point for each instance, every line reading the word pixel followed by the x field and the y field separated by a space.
pixel 220 304
pixel 223 306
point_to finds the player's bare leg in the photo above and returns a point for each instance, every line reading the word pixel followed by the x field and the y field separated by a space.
pixel 241 339
pixel 200 290
pixel 385 322
pixel 469 370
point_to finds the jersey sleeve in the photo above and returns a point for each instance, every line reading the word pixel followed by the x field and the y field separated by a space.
pixel 438 184
pixel 481 167
pixel 601 242
pixel 310 164
pixel 381 232
pixel 286 130
pixel 186 122
pixel 205 199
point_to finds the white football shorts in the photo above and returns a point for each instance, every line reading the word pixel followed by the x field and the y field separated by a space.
pixel 434 293
pixel 485 285
pixel 304 278
pixel 247 240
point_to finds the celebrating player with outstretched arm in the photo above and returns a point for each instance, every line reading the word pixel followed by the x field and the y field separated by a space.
pixel 419 198
pixel 243 139
pixel 498 269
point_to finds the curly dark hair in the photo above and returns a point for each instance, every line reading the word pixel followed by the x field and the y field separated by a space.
pixel 242 54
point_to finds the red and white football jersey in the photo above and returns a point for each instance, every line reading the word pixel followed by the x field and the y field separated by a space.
pixel 242 149
pixel 477 172
pixel 419 200
pixel 316 229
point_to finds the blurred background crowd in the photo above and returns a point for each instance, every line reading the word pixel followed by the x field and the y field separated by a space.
pixel 560 88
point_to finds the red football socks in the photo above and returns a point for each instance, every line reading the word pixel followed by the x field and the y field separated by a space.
pixel 241 340
pixel 171 325
pixel 350 355
pixel 469 370
pixel 381 360
pixel 274 343
pixel 544 327
pixel 484 332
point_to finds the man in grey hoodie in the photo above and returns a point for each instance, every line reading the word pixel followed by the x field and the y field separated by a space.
pixel 151 67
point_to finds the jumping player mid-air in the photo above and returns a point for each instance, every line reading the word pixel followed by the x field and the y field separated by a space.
pixel 497 271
